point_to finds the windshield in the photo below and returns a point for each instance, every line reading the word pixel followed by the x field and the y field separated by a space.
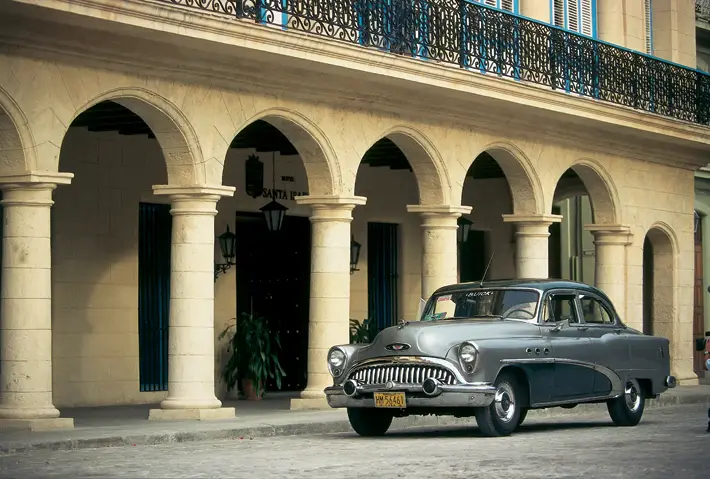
pixel 483 304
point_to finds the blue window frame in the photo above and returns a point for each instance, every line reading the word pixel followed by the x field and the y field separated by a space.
pixel 576 71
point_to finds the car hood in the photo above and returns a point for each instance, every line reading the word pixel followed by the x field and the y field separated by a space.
pixel 436 338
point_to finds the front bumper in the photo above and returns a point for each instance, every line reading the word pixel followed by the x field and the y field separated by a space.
pixel 442 396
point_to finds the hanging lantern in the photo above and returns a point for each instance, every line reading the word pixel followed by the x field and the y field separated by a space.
pixel 274 213
pixel 228 245
pixel 464 228
pixel 354 254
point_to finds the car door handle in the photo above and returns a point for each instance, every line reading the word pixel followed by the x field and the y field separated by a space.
pixel 582 328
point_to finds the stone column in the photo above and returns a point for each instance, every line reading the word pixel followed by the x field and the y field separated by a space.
pixel 329 304
pixel 191 358
pixel 26 304
pixel 439 247
pixel 610 243
pixel 532 232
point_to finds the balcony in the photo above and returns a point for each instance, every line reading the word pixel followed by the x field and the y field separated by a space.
pixel 702 9
pixel 485 40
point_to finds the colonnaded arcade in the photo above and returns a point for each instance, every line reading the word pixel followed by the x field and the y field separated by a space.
pixel 120 164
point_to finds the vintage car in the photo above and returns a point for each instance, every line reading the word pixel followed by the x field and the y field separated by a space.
pixel 497 349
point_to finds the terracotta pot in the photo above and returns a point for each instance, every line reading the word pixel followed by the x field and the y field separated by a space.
pixel 250 391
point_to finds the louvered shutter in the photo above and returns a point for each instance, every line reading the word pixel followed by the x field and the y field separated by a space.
pixel 572 16
pixel 648 26
pixel 559 13
pixel 508 5
pixel 586 17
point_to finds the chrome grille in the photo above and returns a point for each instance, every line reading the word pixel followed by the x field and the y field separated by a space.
pixel 402 373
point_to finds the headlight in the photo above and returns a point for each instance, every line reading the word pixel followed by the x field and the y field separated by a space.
pixel 468 354
pixel 336 360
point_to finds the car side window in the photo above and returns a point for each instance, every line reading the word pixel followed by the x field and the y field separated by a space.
pixel 560 307
pixel 594 311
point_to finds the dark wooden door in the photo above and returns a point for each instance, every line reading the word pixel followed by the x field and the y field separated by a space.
pixel 273 281
pixel 698 307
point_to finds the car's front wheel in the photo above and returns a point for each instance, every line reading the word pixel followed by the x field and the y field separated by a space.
pixel 370 422
pixel 627 409
pixel 502 417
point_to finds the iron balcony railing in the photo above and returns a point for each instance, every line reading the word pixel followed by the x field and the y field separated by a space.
pixel 486 40
pixel 702 8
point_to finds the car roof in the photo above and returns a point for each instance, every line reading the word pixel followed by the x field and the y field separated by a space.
pixel 539 284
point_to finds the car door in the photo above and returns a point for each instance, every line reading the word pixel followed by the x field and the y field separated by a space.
pixel 570 347
pixel 610 343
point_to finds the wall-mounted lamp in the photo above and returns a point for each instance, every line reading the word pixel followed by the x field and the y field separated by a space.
pixel 696 221
pixel 228 246
pixel 464 228
pixel 354 254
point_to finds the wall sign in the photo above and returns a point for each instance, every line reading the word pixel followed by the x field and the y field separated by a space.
pixel 277 194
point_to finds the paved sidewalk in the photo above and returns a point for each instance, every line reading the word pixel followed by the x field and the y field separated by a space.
pixel 128 426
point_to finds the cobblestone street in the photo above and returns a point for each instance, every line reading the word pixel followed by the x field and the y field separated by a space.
pixel 670 442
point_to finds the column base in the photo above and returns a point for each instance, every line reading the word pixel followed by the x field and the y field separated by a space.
pixel 193 414
pixel 36 424
pixel 300 404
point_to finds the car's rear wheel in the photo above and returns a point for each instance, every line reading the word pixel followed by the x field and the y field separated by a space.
pixel 502 416
pixel 370 422
pixel 627 409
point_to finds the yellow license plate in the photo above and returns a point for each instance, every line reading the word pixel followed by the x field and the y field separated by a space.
pixel 392 400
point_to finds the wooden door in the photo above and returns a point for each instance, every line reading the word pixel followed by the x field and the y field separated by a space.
pixel 698 308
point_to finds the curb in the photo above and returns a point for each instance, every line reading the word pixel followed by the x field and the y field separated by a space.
pixel 300 429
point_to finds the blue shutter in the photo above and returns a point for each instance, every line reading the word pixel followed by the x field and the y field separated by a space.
pixel 154 244
pixel 382 273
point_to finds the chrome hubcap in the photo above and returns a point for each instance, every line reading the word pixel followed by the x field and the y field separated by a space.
pixel 632 394
pixel 505 403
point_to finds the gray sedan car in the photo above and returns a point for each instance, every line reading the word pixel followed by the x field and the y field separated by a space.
pixel 497 349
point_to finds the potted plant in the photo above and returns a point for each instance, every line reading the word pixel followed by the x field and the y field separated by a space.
pixel 253 357
pixel 362 332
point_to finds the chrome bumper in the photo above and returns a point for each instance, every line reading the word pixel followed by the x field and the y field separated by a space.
pixel 670 382
pixel 429 394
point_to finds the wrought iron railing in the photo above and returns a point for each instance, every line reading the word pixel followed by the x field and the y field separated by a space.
pixel 486 40
pixel 702 8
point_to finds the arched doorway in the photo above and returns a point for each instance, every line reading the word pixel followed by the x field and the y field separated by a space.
pixel 658 283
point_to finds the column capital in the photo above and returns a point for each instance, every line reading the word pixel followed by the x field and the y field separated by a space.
pixel 440 210
pixel 610 233
pixel 194 191
pixel 532 225
pixel 193 199
pixel 38 178
pixel 331 207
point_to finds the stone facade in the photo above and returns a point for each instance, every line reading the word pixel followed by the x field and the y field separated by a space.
pixel 80 346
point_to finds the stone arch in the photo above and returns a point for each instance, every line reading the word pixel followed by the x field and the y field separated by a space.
pixel 601 189
pixel 429 169
pixel 524 184
pixel 17 153
pixel 314 148
pixel 176 136
pixel 660 279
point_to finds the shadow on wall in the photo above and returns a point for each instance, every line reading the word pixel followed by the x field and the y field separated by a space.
pixel 95 267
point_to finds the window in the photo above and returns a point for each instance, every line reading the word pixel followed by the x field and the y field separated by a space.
pixel 648 26
pixel 560 307
pixel 594 312
pixel 507 5
pixel 484 304
pixel 575 15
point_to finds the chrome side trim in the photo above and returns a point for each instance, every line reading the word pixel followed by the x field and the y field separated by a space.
pixel 574 401
pixel 617 386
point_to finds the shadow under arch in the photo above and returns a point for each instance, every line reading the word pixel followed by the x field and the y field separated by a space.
pixel 524 184
pixel 429 169
pixel 177 138
pixel 660 249
pixel 598 185
pixel 17 145
pixel 315 150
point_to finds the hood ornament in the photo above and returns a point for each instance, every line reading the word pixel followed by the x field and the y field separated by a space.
pixel 397 347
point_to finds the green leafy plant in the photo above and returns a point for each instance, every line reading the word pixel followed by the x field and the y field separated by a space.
pixel 362 332
pixel 253 353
